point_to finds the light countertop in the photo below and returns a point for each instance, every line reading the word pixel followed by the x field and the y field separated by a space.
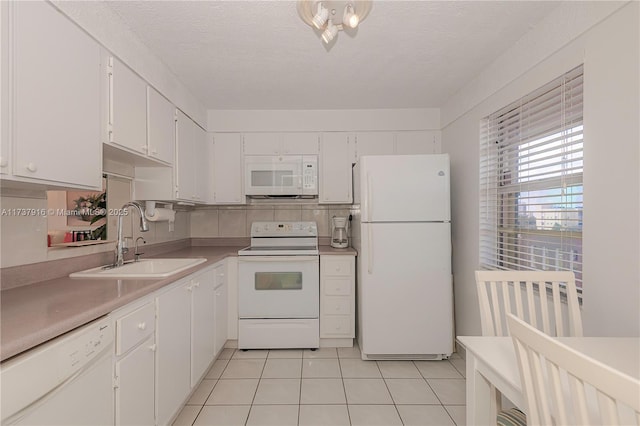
pixel 32 314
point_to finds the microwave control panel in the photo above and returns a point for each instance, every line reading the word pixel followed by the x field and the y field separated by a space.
pixel 309 172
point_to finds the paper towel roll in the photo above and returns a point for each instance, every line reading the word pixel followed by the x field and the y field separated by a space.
pixel 161 215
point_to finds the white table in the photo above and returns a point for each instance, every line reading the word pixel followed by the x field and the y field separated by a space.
pixel 492 369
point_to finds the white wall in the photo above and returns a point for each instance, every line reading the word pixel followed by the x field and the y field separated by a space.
pixel 608 44
pixel 323 120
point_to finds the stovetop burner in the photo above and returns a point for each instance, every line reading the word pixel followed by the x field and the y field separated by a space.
pixel 282 239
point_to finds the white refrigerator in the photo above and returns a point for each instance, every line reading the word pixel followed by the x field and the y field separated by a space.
pixel 404 282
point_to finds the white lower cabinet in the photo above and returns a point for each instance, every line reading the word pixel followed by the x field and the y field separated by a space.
pixel 203 317
pixel 135 396
pixel 165 343
pixel 337 298
pixel 134 379
pixel 187 323
pixel 173 356
pixel 221 312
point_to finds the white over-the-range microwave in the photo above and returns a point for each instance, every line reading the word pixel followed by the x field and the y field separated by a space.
pixel 281 175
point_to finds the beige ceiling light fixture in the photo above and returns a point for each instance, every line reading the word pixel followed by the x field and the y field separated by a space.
pixel 332 16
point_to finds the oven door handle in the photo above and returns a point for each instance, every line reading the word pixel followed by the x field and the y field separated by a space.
pixel 276 258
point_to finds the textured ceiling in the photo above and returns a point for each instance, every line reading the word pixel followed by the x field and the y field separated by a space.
pixel 261 55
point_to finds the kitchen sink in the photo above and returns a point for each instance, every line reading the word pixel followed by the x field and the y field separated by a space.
pixel 144 268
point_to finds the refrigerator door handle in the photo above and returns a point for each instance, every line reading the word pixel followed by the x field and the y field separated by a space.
pixel 369 198
pixel 370 251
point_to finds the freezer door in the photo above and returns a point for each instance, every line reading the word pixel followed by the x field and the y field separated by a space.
pixel 404 289
pixel 405 188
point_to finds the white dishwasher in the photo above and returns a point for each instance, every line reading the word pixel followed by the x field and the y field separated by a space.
pixel 66 381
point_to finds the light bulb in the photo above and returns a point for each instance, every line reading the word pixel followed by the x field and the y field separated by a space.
pixel 350 19
pixel 330 32
pixel 321 17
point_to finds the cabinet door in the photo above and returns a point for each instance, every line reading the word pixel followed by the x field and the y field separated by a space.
pixel 128 108
pixel 418 142
pixel 300 143
pixel 173 353
pixel 5 153
pixel 136 384
pixel 201 155
pixel 202 324
pixel 335 169
pixel 221 311
pixel 227 168
pixel 56 109
pixel 185 158
pixel 160 126
pixel 262 143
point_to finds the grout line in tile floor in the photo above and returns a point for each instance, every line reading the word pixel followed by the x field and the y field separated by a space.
pixel 191 415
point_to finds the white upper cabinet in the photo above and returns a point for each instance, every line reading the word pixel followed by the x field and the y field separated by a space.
pixel 127 123
pixel 335 169
pixel 160 126
pixel 5 151
pixel 294 143
pixel 50 99
pixel 374 143
pixel 185 158
pixel 201 153
pixel 418 142
pixel 192 158
pixel 227 168
pixel 300 143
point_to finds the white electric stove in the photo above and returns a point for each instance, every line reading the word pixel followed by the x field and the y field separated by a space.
pixel 279 287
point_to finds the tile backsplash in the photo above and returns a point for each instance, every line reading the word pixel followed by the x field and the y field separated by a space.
pixel 235 221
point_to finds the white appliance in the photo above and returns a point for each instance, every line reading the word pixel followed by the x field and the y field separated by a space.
pixel 339 232
pixel 67 381
pixel 281 175
pixel 404 285
pixel 279 287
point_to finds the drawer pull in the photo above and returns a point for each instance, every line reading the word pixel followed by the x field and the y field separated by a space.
pixel 142 325
pixel 152 348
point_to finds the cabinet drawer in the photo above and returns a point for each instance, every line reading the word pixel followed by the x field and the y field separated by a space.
pixel 133 327
pixel 338 267
pixel 337 306
pixel 336 325
pixel 337 287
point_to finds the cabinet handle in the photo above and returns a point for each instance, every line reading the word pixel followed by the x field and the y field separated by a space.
pixel 142 325
pixel 3 162
pixel 144 148
pixel 152 348
pixel 32 167
pixel 189 288
pixel 154 151
pixel 196 285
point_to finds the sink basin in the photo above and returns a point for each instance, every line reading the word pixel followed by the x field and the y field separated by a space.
pixel 144 268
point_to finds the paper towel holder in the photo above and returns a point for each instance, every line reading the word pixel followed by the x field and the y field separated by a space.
pixel 150 206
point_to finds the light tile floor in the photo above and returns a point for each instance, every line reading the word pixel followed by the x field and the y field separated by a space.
pixel 329 386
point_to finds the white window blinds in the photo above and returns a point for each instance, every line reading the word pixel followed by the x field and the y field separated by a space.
pixel 531 181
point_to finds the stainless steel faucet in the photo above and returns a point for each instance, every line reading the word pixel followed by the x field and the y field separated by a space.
pixel 144 227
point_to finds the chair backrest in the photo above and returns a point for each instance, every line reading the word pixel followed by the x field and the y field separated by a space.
pixel 524 293
pixel 557 382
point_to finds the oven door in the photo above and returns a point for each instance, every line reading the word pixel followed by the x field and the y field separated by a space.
pixel 279 287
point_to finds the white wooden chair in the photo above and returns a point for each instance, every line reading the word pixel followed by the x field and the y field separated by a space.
pixel 557 381
pixel 518 292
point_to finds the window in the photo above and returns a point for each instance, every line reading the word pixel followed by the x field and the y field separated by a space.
pixel 531 181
